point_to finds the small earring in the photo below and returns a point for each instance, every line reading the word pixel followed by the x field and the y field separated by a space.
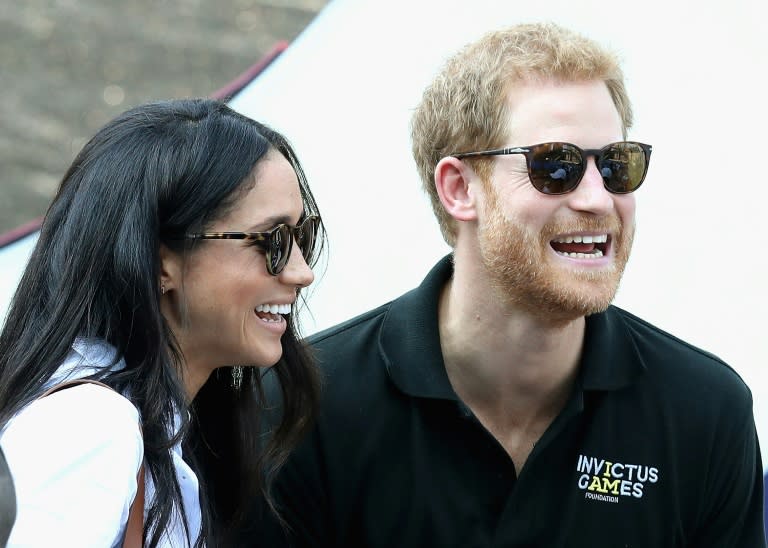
pixel 237 377
pixel 162 289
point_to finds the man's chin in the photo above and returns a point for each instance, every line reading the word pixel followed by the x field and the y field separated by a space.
pixel 586 304
pixel 564 303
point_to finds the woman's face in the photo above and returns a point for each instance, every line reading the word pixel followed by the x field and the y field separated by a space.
pixel 216 297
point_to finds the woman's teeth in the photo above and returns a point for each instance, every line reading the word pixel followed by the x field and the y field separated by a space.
pixel 274 308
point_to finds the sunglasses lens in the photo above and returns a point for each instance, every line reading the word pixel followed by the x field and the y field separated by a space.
pixel 307 236
pixel 555 168
pixel 279 249
pixel 623 167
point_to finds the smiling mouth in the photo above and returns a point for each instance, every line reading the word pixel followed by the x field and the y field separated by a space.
pixel 272 313
pixel 582 247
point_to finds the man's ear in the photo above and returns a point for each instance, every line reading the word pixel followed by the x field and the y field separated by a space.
pixel 452 181
pixel 170 269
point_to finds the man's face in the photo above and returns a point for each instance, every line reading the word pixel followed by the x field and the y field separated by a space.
pixel 533 245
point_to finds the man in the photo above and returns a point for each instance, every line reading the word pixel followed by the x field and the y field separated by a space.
pixel 505 402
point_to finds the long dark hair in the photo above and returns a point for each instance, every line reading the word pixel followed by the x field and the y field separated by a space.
pixel 158 169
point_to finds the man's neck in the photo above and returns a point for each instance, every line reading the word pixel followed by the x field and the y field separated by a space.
pixel 494 354
pixel 514 371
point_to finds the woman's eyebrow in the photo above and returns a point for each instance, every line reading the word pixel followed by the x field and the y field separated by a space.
pixel 273 221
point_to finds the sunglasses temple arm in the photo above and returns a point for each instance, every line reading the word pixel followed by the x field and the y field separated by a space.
pixel 495 152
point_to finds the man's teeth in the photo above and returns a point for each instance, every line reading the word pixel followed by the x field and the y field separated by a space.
pixel 274 308
pixel 594 255
pixel 599 239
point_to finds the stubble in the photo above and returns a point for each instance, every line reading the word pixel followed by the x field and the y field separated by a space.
pixel 523 272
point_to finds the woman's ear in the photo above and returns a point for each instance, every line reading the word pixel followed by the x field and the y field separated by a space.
pixel 170 269
pixel 452 181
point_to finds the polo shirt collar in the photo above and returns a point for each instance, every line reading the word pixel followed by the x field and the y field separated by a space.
pixel 610 358
pixel 410 338
pixel 409 344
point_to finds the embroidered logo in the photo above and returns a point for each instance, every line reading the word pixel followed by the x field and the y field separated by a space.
pixel 608 481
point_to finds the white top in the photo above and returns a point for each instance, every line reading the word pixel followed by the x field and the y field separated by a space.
pixel 74 457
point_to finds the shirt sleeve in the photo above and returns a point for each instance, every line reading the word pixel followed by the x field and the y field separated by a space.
pixel 74 457
pixel 732 514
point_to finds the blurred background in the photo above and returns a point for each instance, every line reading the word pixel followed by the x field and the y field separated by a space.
pixel 69 66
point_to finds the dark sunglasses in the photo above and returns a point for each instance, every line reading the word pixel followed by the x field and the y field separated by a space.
pixel 276 243
pixel 557 168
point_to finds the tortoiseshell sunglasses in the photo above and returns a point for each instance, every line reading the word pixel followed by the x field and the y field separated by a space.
pixel 276 243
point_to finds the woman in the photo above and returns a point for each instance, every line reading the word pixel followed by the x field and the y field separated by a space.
pixel 169 262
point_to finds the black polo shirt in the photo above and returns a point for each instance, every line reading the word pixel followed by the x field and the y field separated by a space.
pixel 656 447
